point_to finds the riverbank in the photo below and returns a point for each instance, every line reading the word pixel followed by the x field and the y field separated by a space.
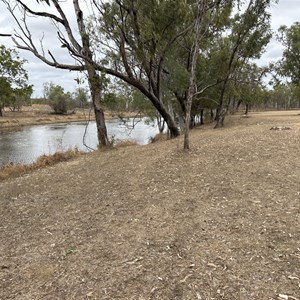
pixel 39 114
pixel 154 222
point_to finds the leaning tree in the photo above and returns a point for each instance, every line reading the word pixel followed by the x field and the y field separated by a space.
pixel 75 40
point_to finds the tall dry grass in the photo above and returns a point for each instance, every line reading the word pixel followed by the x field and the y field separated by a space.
pixel 16 170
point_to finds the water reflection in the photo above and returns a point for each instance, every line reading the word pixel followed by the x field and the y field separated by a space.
pixel 26 145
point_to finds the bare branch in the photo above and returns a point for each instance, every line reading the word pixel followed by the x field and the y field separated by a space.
pixel 67 27
pixel 41 14
pixel 207 87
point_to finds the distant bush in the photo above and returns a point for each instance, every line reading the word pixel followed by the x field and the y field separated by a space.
pixel 57 98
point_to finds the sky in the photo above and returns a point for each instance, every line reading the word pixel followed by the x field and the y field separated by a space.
pixel 286 12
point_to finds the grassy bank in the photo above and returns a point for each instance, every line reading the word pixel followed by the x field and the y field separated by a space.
pixel 17 170
pixel 221 221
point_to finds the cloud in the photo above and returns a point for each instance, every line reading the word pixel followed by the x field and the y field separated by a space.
pixel 286 12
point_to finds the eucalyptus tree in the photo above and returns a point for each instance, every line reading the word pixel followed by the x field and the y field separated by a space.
pixel 283 96
pixel 203 7
pixel 153 44
pixel 248 85
pixel 136 37
pixel 75 40
pixel 14 85
pixel 250 32
pixel 290 63
pixel 215 22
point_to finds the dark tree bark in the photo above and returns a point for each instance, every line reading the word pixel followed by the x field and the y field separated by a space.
pixel 201 116
pixel 247 109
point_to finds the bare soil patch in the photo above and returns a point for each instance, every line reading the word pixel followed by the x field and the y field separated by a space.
pixel 154 222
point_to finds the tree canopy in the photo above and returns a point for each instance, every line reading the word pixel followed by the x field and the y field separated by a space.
pixel 14 86
pixel 290 63
pixel 182 56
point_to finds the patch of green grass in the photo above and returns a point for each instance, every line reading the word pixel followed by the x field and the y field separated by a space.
pixel 70 250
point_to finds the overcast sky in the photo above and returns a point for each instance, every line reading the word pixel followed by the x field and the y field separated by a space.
pixel 286 12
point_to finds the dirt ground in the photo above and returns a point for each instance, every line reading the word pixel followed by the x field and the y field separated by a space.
pixel 154 222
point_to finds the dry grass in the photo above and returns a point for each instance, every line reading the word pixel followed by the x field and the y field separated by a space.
pixel 159 138
pixel 16 170
pixel 221 221
pixel 126 143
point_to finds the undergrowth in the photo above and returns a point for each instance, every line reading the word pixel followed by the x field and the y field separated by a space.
pixel 158 138
pixel 16 170
pixel 126 143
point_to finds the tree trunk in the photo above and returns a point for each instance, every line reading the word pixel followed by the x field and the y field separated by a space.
pixel 211 115
pixel 174 131
pixel 101 127
pixel 192 122
pixel 201 10
pixel 186 142
pixel 96 89
pixel 201 116
pixel 247 109
pixel 221 118
pixel 94 79
pixel 238 105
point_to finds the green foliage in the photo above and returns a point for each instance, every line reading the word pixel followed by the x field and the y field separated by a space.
pixel 251 29
pixel 21 96
pixel 284 96
pixel 290 64
pixel 57 98
pixel 38 101
pixel 80 98
pixel 15 90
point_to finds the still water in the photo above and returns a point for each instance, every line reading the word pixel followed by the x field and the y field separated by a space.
pixel 29 143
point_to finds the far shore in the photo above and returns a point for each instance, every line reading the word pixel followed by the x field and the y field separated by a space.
pixel 39 114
